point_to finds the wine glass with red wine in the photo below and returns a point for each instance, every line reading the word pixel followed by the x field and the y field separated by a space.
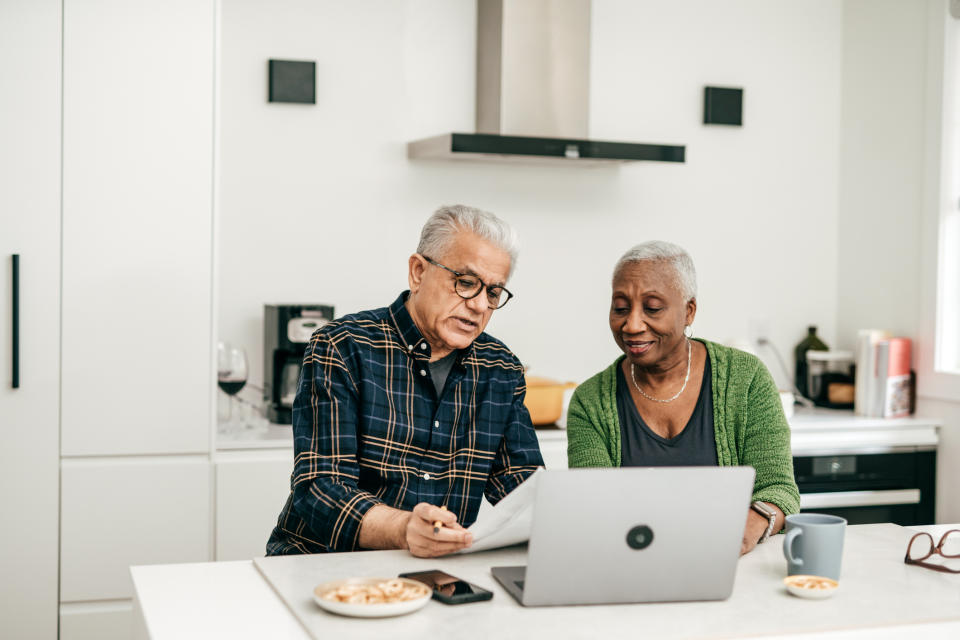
pixel 232 372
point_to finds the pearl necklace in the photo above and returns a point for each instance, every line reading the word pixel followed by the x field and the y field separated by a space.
pixel 633 376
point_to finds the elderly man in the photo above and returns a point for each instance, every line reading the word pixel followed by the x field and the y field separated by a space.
pixel 407 415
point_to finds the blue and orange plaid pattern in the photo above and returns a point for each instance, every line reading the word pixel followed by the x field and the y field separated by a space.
pixel 369 429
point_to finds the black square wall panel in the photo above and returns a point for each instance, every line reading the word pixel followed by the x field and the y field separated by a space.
pixel 293 81
pixel 722 106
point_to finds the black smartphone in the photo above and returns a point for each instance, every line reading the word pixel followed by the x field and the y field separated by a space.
pixel 449 589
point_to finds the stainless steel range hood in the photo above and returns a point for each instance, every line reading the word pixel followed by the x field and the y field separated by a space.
pixel 533 80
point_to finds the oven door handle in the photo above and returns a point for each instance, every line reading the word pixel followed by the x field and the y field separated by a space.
pixel 836 499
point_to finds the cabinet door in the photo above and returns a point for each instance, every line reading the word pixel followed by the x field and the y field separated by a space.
pixel 130 511
pixel 30 228
pixel 138 88
pixel 251 490
pixel 97 621
pixel 553 448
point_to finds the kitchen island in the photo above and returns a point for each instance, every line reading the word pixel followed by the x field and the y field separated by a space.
pixel 879 597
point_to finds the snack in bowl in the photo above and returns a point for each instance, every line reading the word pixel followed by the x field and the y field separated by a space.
pixel 371 597
pixel 815 587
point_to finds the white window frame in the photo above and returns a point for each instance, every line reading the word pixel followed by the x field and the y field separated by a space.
pixel 938 345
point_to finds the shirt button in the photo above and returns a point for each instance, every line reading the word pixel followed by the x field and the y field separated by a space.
pixel 423 372
pixel 423 346
pixel 410 348
pixel 436 424
pixel 426 476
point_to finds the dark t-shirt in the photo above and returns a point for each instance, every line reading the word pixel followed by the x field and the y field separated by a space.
pixel 440 369
pixel 696 445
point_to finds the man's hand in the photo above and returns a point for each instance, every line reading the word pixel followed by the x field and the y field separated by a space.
pixel 424 543
pixel 384 527
pixel 756 525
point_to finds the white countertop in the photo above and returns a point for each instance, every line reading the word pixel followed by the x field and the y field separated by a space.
pixel 231 599
pixel 818 418
pixel 820 431
pixel 813 432
pixel 264 435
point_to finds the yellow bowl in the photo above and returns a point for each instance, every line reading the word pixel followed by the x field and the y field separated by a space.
pixel 544 399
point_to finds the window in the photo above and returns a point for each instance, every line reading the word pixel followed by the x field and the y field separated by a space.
pixel 937 358
pixel 947 342
pixel 948 321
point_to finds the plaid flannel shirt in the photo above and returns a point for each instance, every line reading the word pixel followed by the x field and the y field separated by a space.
pixel 369 429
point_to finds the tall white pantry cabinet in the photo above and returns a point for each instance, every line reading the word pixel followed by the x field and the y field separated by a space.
pixel 107 197
pixel 29 359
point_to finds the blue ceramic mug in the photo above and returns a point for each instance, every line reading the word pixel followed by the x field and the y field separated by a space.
pixel 814 544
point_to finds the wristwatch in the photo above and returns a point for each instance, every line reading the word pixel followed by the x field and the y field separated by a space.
pixel 764 509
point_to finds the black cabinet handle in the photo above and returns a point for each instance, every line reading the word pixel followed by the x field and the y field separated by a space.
pixel 16 321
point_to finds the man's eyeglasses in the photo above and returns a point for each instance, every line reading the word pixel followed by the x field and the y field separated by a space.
pixel 921 547
pixel 468 287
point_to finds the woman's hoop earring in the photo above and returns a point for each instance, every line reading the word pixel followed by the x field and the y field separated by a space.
pixel 688 331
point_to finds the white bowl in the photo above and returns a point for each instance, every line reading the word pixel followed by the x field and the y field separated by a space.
pixel 813 587
pixel 379 610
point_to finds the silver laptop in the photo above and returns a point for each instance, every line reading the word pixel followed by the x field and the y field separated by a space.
pixel 642 534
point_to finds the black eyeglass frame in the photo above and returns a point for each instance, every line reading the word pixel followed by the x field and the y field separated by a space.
pixel 483 285
pixel 934 550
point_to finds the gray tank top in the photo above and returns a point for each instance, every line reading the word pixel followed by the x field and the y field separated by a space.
pixel 696 445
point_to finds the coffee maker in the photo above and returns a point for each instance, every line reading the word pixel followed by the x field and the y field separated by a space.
pixel 286 331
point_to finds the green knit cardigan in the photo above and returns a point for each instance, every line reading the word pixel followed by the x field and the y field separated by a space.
pixel 748 421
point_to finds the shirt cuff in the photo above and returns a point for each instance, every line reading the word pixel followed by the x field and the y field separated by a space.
pixel 782 499
pixel 500 485
pixel 345 534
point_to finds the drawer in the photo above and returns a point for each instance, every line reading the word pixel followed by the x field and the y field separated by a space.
pixel 97 621
pixel 117 512
pixel 251 492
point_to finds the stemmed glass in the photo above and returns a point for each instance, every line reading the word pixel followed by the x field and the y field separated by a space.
pixel 232 371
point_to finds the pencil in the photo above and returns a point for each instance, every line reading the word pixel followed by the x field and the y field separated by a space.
pixel 437 524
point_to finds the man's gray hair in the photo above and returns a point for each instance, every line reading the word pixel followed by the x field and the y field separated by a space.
pixel 660 251
pixel 447 221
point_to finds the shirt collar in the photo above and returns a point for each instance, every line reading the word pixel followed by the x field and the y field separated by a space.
pixel 413 340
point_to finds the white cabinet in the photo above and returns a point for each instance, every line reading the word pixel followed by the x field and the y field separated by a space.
pixel 553 448
pixel 127 511
pixel 136 374
pixel 252 488
pixel 115 256
pixel 138 87
pixel 97 621
pixel 29 228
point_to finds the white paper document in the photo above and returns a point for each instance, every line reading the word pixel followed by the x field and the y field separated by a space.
pixel 510 520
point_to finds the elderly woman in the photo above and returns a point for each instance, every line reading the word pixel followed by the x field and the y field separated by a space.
pixel 672 400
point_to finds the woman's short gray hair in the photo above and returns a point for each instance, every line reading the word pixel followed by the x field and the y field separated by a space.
pixel 447 221
pixel 660 251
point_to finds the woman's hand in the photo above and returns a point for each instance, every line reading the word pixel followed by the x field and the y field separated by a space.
pixel 756 526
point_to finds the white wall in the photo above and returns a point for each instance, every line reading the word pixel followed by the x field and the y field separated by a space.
pixel 881 167
pixel 939 391
pixel 890 186
pixel 319 203
pixel 809 213
pixel 948 453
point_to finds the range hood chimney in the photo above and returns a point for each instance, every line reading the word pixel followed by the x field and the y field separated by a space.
pixel 533 83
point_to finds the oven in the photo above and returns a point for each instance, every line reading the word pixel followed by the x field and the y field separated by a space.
pixel 896 485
